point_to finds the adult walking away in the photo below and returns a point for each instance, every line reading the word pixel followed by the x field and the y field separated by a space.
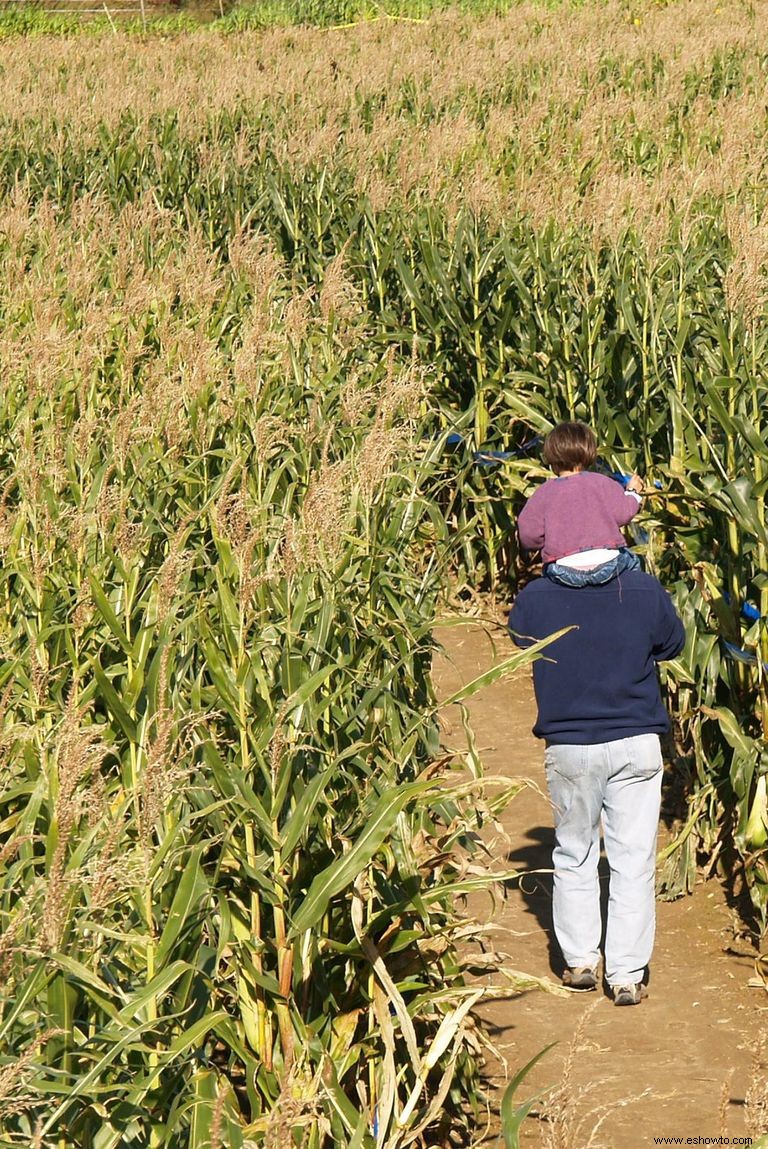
pixel 600 713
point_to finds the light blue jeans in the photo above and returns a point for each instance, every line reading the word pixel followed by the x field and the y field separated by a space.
pixel 620 782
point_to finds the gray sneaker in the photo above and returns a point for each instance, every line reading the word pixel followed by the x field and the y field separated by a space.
pixel 581 977
pixel 629 994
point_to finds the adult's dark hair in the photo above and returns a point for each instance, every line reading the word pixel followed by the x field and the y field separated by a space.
pixel 570 447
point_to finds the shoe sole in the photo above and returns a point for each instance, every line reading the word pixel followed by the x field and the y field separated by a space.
pixel 626 999
pixel 584 983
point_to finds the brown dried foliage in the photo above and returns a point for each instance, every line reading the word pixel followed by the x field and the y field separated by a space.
pixel 13 1098
pixel 324 515
pixel 746 282
pixel 79 755
pixel 397 403
pixel 593 115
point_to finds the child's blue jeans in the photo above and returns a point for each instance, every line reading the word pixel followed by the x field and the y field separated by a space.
pixel 624 561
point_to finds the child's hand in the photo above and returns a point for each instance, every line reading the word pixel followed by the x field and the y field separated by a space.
pixel 635 484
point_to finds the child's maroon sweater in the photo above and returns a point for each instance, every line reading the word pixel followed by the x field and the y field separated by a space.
pixel 575 513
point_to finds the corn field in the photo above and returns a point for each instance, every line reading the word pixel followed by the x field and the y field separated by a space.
pixel 283 316
pixel 232 843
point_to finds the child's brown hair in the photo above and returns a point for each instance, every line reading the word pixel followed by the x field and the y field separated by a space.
pixel 570 447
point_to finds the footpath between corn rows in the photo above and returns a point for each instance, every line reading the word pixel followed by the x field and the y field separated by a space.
pixel 678 1065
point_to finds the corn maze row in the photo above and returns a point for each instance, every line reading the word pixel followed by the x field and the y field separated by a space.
pixel 244 394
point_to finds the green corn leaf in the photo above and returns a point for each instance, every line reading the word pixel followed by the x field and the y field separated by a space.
pixel 115 704
pixel 300 818
pixel 731 729
pixel 152 992
pixel 191 890
pixel 102 993
pixel 513 1116
pixel 509 666
pixel 108 614
pixel 222 677
pixel 212 1098
pixel 341 873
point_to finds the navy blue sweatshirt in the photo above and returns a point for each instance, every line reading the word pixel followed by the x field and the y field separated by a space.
pixel 598 683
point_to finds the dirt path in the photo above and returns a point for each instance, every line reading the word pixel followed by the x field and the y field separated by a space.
pixel 679 1064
